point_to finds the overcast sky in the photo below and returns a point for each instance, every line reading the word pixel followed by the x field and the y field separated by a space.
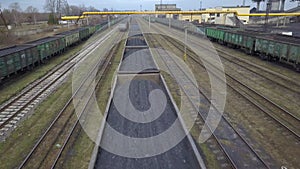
pixel 135 4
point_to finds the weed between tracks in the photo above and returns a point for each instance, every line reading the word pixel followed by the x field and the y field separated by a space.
pixel 20 142
pixel 79 155
pixel 257 61
pixel 264 134
pixel 209 157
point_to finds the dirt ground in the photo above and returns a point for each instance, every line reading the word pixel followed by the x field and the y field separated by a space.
pixel 9 38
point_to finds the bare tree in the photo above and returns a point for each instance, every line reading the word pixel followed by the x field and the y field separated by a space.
pixel 91 9
pixel 56 6
pixel 82 8
pixel 32 11
pixel 74 10
pixel 16 12
pixel 66 9
pixel 50 6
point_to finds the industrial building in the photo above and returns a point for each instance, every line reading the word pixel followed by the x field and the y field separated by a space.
pixel 226 19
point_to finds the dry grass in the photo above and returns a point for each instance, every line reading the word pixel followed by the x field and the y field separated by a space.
pixel 81 151
pixel 14 85
pixel 18 145
pixel 207 154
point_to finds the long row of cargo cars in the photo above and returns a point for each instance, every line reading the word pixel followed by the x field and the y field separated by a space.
pixel 26 56
pixel 273 47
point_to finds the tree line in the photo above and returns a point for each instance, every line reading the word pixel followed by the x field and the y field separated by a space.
pixel 15 15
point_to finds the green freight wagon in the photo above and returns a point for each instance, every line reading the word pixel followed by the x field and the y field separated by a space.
pixel 83 33
pixel 98 27
pixel 16 58
pixel 92 30
pixel 241 39
pixel 233 38
pixel 70 37
pixel 48 46
pixel 215 34
pixel 103 25
pixel 279 48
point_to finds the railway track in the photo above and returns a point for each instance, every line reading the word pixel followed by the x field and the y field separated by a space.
pixel 280 115
pixel 272 76
pixel 239 146
pixel 287 85
pixel 182 155
pixel 290 90
pixel 101 74
pixel 45 153
pixel 19 106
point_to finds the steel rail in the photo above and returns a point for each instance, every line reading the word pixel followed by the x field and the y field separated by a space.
pixel 58 116
pixel 106 63
pixel 203 118
pixel 255 92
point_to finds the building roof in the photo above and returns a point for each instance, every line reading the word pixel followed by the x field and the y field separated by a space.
pixel 235 6
pixel 165 4
pixel 296 9
pixel 166 7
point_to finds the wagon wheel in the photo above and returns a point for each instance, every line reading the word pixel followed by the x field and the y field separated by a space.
pixel 297 67
pixel 263 56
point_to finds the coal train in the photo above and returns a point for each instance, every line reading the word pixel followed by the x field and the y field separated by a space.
pixel 272 47
pixel 26 56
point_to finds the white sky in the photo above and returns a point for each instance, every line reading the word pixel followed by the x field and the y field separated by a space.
pixel 135 4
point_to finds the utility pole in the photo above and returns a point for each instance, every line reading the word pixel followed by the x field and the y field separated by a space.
pixel 244 2
pixel 200 5
pixel 149 21
pixel 161 5
pixel 267 15
pixel 185 42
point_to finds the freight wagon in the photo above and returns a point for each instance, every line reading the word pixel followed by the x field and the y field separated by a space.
pixel 92 30
pixel 280 49
pixel 83 33
pixel 15 58
pixel 267 46
pixel 20 57
pixel 48 47
pixel 71 37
